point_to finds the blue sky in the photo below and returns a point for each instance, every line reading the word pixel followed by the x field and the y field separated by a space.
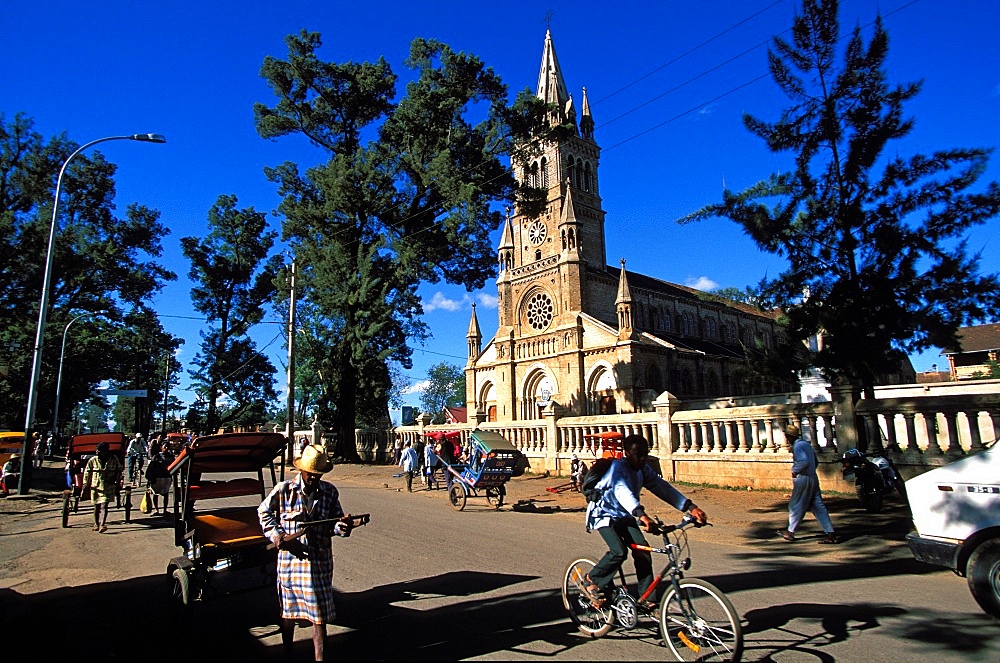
pixel 667 81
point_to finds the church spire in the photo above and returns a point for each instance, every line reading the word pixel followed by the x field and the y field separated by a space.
pixel 505 252
pixel 474 336
pixel 586 119
pixel 551 86
pixel 623 305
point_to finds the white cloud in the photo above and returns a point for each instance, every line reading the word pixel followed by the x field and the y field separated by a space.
pixel 486 300
pixel 416 387
pixel 440 301
pixel 702 283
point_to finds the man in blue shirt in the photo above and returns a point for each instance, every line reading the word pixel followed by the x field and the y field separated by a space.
pixel 618 512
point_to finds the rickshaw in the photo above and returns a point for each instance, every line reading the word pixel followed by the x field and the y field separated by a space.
pixel 79 451
pixel 611 443
pixel 226 471
pixel 491 462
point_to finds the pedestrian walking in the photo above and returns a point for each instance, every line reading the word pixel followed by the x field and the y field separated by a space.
pixel 431 462
pixel 102 474
pixel 806 495
pixel 410 464
pixel 38 456
pixel 305 561
pixel 158 476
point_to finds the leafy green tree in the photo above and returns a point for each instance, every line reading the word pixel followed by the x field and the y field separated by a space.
pixel 404 197
pixel 877 263
pixel 445 388
pixel 233 278
pixel 103 262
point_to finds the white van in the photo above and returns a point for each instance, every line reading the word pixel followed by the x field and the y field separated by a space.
pixel 956 512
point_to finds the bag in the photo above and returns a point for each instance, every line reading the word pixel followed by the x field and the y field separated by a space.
pixel 593 476
pixel 145 505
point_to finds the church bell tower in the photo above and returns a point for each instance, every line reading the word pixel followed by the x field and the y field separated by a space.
pixel 543 259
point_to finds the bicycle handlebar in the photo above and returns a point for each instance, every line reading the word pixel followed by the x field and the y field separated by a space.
pixel 686 521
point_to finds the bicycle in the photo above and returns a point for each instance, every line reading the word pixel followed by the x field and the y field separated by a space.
pixel 696 619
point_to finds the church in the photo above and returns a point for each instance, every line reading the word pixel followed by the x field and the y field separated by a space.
pixel 591 338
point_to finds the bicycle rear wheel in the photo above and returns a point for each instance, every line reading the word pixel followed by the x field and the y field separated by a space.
pixel 699 623
pixel 591 621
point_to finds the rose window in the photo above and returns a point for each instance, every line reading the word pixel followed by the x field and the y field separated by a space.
pixel 540 311
pixel 536 233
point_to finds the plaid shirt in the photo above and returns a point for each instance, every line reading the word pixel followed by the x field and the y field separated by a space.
pixel 305 585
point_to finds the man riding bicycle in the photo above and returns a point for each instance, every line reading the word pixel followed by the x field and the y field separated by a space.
pixel 616 515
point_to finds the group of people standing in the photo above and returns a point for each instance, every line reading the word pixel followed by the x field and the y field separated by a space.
pixel 437 455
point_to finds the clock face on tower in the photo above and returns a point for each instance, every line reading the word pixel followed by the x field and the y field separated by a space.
pixel 536 232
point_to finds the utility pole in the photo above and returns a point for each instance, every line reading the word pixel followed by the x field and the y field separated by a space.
pixel 166 391
pixel 290 376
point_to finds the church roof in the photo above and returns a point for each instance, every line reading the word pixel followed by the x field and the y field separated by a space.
pixel 644 282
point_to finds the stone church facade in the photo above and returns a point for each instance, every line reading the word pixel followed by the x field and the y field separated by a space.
pixel 589 337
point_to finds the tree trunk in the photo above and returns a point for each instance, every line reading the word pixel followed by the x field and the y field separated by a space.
pixel 346 449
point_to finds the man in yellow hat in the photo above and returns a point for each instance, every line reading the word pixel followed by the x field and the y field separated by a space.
pixel 305 561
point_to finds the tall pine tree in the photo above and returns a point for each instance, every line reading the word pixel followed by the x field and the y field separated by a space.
pixel 877 262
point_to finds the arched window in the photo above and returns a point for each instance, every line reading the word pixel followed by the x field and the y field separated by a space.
pixel 728 333
pixel 587 177
pixel 545 172
pixel 687 325
pixel 534 175
pixel 711 329
pixel 579 173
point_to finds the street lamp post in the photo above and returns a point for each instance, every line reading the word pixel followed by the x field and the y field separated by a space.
pixel 62 354
pixel 36 370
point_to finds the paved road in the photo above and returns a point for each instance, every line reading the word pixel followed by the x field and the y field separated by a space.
pixel 425 582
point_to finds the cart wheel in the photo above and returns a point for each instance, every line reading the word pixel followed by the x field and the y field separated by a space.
pixel 457 496
pixel 65 509
pixel 495 497
pixel 180 596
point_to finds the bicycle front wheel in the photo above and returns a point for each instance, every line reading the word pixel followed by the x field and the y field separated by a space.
pixel 592 622
pixel 698 623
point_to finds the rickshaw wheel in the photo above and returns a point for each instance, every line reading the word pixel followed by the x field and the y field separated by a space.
pixel 180 593
pixel 457 496
pixel 495 497
pixel 65 509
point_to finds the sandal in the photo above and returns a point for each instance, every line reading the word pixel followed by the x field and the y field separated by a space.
pixel 594 594
pixel 786 535
pixel 830 538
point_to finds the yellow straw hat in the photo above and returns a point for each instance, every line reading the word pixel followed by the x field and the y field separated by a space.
pixel 314 459
pixel 791 430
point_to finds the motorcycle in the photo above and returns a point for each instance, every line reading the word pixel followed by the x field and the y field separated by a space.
pixel 874 475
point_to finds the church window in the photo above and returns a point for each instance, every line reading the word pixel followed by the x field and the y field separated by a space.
pixel 533 182
pixel 539 311
pixel 579 173
pixel 538 255
pixel 537 232
pixel 587 177
pixel 570 170
pixel 728 333
pixel 687 325
pixel 545 172
pixel 711 329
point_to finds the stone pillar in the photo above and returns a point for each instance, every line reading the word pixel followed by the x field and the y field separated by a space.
pixel 551 415
pixel 845 397
pixel 664 406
